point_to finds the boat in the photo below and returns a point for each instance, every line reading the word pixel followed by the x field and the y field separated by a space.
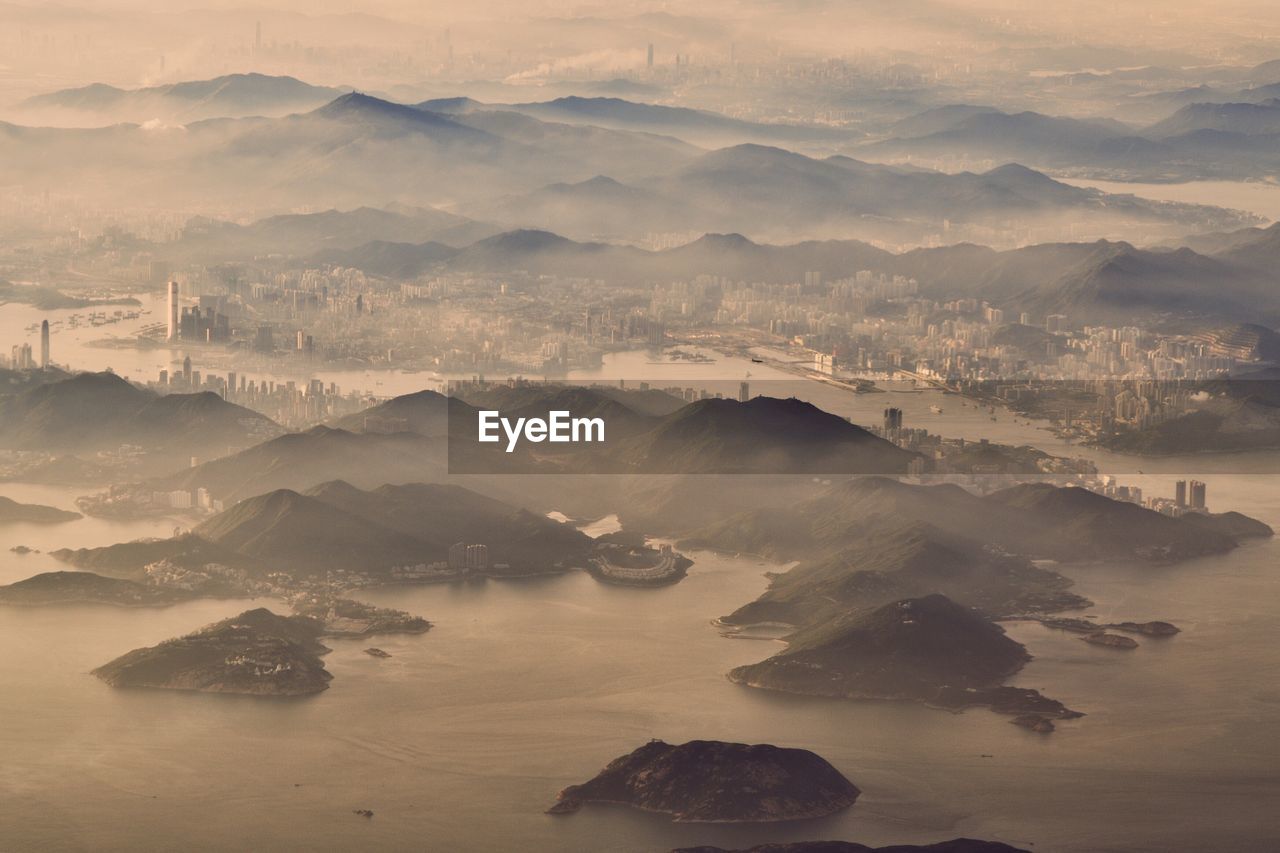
pixel 937 410
pixel 757 361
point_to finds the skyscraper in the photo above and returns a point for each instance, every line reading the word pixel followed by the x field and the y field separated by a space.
pixel 1198 495
pixel 1180 493
pixel 744 392
pixel 649 62
pixel 44 344
pixel 173 312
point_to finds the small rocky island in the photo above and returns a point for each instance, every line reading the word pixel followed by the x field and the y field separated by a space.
pixel 52 588
pixel 1076 625
pixel 927 649
pixel 1111 641
pixel 717 782
pixel 256 653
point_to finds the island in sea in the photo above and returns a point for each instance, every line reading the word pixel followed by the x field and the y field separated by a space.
pixel 717 782
pixel 928 650
pixel 257 653
pixel 50 588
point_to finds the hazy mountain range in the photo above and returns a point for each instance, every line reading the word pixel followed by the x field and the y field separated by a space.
pixel 228 96
pixel 604 173
pixel 1098 281
pixel 100 412
pixel 1199 140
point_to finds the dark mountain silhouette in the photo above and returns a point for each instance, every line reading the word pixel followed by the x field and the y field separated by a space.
pixel 927 649
pixel 338 527
pixel 438 515
pixel 256 653
pixel 101 411
pixel 1090 282
pixel 58 588
pixel 422 412
pixel 763 435
pixel 306 536
pixel 712 781
pixel 887 559
pixel 1036 520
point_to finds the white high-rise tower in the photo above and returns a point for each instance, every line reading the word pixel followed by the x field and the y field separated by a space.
pixel 173 312
pixel 44 344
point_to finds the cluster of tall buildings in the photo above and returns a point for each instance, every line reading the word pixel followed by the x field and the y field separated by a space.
pixel 23 357
pixel 1190 495
pixel 464 557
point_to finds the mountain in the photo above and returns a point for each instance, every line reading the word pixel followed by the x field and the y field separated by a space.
pixel 338 527
pixel 360 150
pixel 388 259
pixel 596 206
pixel 699 127
pixel 937 120
pixel 1025 137
pixel 100 412
pixel 58 588
pixel 746 185
pixel 926 649
pixel 306 536
pixel 1233 415
pixel 1038 520
pixel 1103 282
pixel 355 150
pixel 628 154
pixel 717 782
pixel 729 255
pixel 1095 282
pixel 422 412
pixel 231 95
pixel 12 512
pixel 538 400
pixel 1242 118
pixel 1254 248
pixel 299 461
pixel 1200 141
pixel 256 653
pixel 437 516
pixel 300 235
pixel 128 559
pixel 884 560
pixel 762 435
